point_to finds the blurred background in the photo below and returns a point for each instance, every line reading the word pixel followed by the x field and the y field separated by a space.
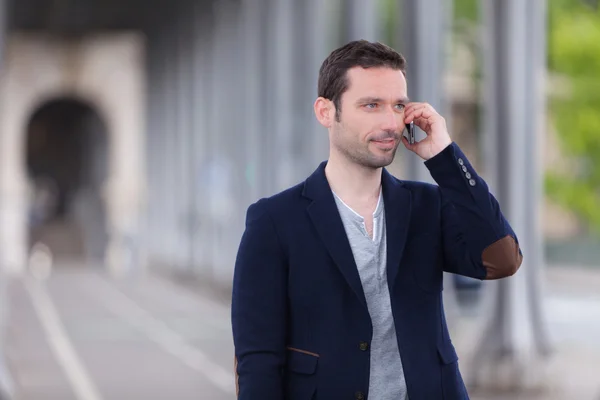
pixel 135 133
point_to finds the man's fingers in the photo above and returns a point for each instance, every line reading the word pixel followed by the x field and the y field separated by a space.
pixel 421 119
pixel 406 144
pixel 423 115
pixel 415 106
pixel 418 110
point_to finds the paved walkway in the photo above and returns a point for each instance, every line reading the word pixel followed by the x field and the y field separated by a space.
pixel 83 336
pixel 572 311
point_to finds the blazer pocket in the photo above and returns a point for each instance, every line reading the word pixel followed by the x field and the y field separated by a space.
pixel 447 353
pixel 301 361
pixel 301 380
pixel 453 386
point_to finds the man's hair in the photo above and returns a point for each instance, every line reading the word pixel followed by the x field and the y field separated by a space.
pixel 333 78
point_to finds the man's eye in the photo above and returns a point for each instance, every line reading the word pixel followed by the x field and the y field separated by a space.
pixel 400 106
pixel 371 105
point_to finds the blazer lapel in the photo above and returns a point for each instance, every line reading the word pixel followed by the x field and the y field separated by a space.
pixel 328 223
pixel 397 203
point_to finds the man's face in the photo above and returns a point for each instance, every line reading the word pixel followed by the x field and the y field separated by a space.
pixel 372 116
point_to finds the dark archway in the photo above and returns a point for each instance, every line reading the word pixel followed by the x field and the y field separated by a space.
pixel 67 165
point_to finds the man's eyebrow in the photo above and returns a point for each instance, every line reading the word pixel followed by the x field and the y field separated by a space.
pixel 366 100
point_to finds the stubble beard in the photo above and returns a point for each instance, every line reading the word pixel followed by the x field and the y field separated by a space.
pixel 359 153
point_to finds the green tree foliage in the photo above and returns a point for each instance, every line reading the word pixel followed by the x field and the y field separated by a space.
pixel 574 53
pixel 467 10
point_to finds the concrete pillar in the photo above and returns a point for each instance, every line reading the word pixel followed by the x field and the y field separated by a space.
pixel 149 222
pixel 534 174
pixel 251 27
pixel 238 152
pixel 163 139
pixel 514 342
pixel 125 190
pixel 362 20
pixel 171 182
pixel 154 243
pixel 184 55
pixel 211 169
pixel 203 108
pixel 268 135
pixel 282 20
pixel 6 382
pixel 177 255
pixel 159 199
pixel 196 107
pixel 225 138
pixel 314 44
pixel 155 154
pixel 424 26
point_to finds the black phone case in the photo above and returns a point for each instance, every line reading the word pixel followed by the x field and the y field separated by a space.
pixel 410 129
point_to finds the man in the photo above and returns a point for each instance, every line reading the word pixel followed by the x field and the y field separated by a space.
pixel 337 290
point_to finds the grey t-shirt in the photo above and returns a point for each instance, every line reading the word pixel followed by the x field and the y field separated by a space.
pixel 387 380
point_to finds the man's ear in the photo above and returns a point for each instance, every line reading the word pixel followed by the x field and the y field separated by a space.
pixel 324 111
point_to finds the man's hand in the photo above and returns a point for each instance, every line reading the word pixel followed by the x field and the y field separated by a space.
pixel 433 124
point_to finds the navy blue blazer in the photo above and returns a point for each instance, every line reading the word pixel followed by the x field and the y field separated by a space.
pixel 301 327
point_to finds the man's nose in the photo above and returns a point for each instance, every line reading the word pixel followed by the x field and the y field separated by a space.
pixel 391 120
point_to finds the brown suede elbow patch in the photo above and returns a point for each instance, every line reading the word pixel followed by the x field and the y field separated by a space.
pixel 502 258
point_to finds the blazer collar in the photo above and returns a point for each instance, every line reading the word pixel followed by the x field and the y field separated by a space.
pixel 326 218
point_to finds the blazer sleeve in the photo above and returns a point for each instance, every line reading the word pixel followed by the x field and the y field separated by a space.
pixel 477 239
pixel 258 309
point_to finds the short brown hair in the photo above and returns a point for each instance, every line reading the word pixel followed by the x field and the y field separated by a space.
pixel 333 80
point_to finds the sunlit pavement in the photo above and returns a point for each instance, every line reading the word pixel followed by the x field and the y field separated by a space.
pixel 83 335
pixel 572 314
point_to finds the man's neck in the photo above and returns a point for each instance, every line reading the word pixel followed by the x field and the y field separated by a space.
pixel 356 185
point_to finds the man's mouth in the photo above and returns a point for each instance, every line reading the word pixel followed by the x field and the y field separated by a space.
pixel 388 140
pixel 385 143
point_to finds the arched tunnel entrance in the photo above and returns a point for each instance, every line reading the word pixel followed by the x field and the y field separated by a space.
pixel 67 166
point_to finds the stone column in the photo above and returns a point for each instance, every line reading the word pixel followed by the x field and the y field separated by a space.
pixel 151 222
pixel 14 199
pixel 170 134
pixel 225 137
pixel 282 20
pixel 125 189
pixel 315 42
pixel 203 108
pixel 513 344
pixel 362 20
pixel 184 55
pixel 176 194
pixel 424 26
pixel 157 132
pixel 253 64
pixel 6 383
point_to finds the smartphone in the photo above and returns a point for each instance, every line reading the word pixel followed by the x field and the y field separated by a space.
pixel 410 129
